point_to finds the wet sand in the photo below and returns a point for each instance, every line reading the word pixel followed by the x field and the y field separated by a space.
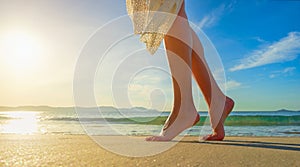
pixel 80 150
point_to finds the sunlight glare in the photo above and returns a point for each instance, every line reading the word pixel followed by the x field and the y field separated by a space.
pixel 21 123
pixel 20 50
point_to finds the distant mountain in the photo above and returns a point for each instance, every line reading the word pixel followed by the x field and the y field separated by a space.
pixel 103 108
pixel 285 110
pixel 49 108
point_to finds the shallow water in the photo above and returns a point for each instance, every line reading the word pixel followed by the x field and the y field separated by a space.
pixel 142 122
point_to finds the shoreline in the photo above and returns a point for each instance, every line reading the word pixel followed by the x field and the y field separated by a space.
pixel 81 150
pixel 139 135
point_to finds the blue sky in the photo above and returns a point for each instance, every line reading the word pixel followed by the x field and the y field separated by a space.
pixel 258 43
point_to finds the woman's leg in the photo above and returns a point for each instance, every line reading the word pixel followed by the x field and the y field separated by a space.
pixel 181 58
pixel 219 105
pixel 179 54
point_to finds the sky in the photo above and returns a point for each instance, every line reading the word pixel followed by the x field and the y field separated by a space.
pixel 257 48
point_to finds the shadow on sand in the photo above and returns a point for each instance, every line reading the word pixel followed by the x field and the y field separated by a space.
pixel 251 143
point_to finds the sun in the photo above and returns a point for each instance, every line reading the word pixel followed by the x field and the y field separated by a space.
pixel 20 51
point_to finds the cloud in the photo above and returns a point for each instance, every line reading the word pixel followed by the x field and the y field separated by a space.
pixel 147 78
pixel 286 49
pixel 287 71
pixel 259 39
pixel 151 92
pixel 230 85
pixel 215 15
pixel 142 85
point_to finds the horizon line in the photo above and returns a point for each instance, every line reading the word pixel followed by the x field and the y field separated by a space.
pixel 61 107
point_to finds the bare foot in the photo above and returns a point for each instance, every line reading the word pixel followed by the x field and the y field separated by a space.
pixel 219 132
pixel 171 129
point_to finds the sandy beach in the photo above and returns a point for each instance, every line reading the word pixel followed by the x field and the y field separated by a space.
pixel 80 150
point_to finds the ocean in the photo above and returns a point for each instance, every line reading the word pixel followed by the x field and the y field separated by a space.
pixel 141 121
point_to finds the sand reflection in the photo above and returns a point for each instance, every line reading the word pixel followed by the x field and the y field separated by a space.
pixel 20 122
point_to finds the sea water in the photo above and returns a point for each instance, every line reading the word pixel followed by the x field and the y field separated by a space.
pixel 141 121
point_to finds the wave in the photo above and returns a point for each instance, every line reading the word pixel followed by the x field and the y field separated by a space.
pixel 74 119
pixel 280 118
pixel 204 120
pixel 262 120
pixel 237 121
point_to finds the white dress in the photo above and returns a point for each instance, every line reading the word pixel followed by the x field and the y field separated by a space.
pixel 152 19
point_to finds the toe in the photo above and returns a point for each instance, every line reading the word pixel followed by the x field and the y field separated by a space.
pixel 213 137
pixel 149 138
pixel 157 138
pixel 206 137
